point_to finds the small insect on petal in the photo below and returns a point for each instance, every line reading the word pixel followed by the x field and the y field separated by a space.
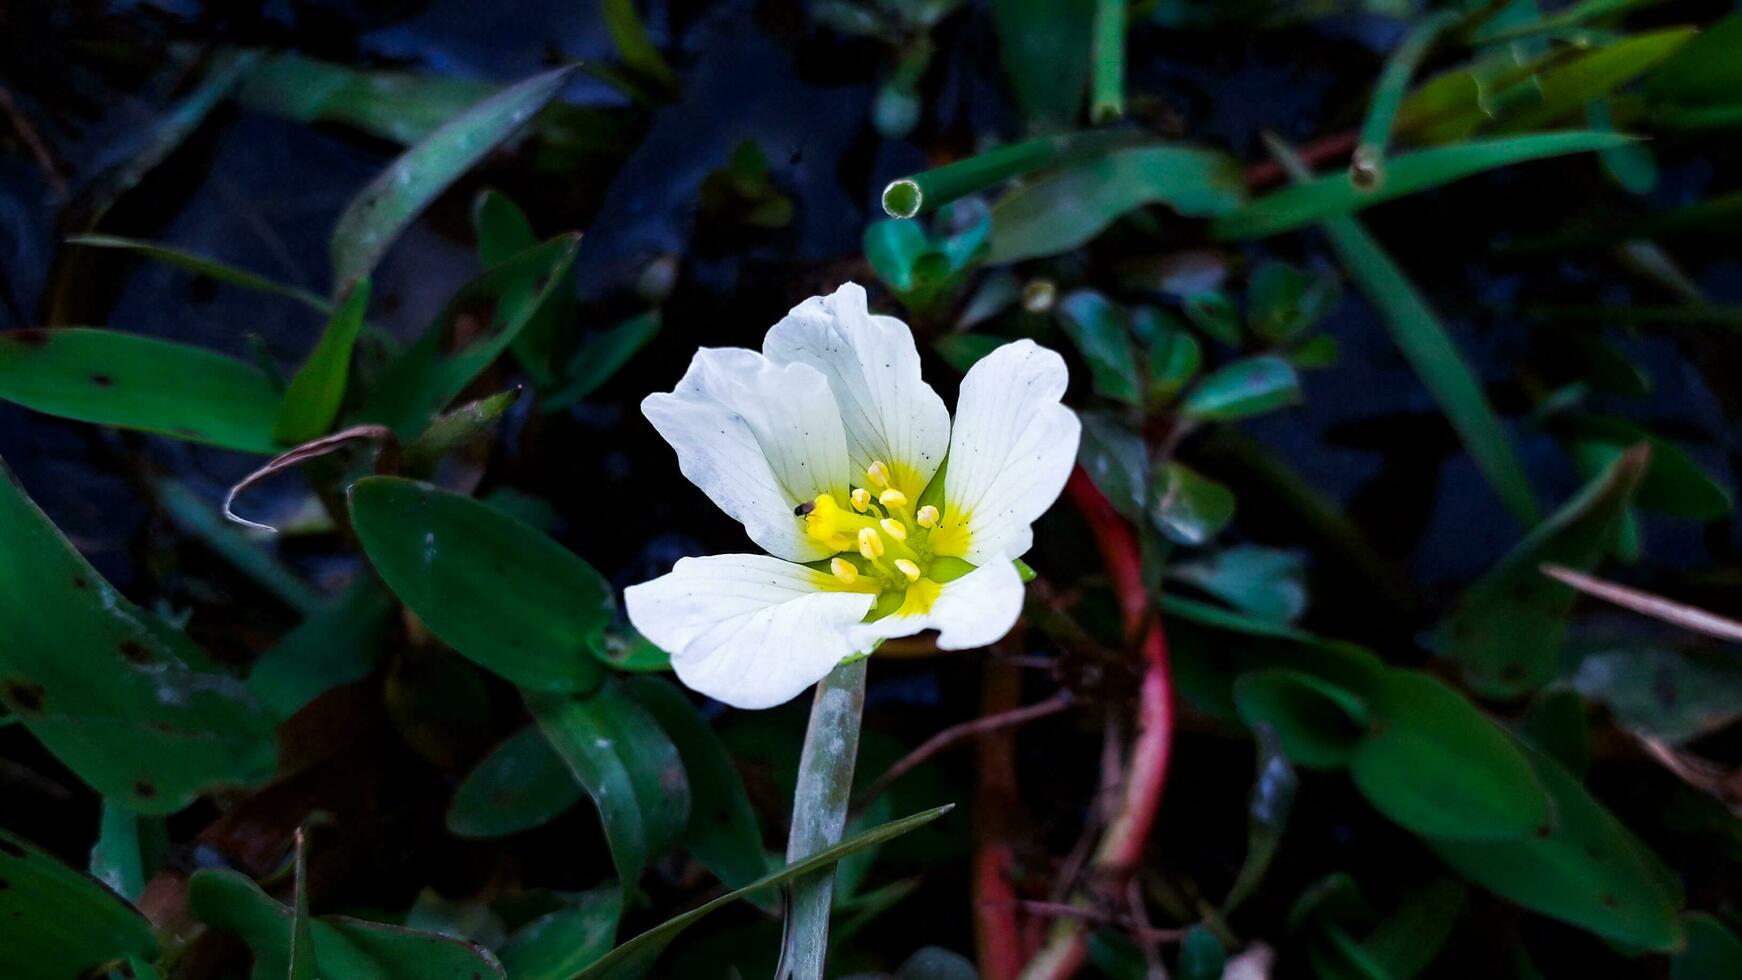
pixel 927 516
pixel 844 570
pixel 893 528
pixel 805 508
pixel 908 569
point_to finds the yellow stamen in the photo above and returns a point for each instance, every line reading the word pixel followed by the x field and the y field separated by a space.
pixel 908 569
pixel 877 474
pixel 827 524
pixel 870 545
pixel 844 570
pixel 928 516
pixel 861 499
pixel 893 528
pixel 892 498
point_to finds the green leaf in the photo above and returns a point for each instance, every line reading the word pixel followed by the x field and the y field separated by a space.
pixel 1557 724
pixel 1589 870
pixel 1212 312
pixel 344 947
pixel 1174 359
pixel 1267 809
pixel 1317 723
pixel 894 247
pixel 722 831
pixel 1417 929
pixel 1434 764
pixel 1507 628
pixel 302 941
pixel 204 266
pixel 1201 956
pixel 129 850
pixel 429 375
pixel 1188 507
pixel 1282 302
pixel 1044 45
pixel 312 400
pixel 120 699
pixel 336 645
pixel 1262 582
pixel 56 923
pixel 1712 950
pixel 1664 694
pixel 1674 484
pixel 633 46
pixel 557 945
pixel 627 764
pixel 521 784
pixel 1703 71
pixel 133 382
pixel 1247 387
pixel 1101 334
pixel 1335 196
pixel 635 957
pixel 1567 89
pixel 503 232
pixel 384 209
pixel 1058 213
pixel 454 430
pixel 599 356
pixel 1116 459
pixel 963 350
pixel 495 589
pixel 628 650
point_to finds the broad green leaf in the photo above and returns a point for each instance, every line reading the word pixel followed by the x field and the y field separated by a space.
pixel 343 947
pixel 1703 71
pixel 635 957
pixel 122 700
pixel 628 650
pixel 627 764
pixel 1201 956
pixel 1317 723
pixel 204 266
pixel 963 350
pixel 1282 302
pixel 454 430
pixel 722 831
pixel 893 247
pixel 1712 950
pixel 522 784
pixel 338 644
pixel 133 382
pixel 429 375
pixel 1633 168
pixel 1556 723
pixel 1174 359
pixel 384 209
pixel 312 400
pixel 56 924
pixel 560 944
pixel 1589 869
pixel 1434 764
pixel 1044 45
pixel 1507 628
pixel 1116 459
pixel 1057 213
pixel 496 590
pixel 1247 387
pixel 1267 809
pixel 1566 89
pixel 1417 929
pixel 1212 312
pixel 1262 582
pixel 129 850
pixel 599 356
pixel 1665 694
pixel 1674 484
pixel 1335 196
pixel 1188 507
pixel 1101 334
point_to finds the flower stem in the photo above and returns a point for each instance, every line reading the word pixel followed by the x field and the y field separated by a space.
pixel 1108 102
pixel 912 196
pixel 819 814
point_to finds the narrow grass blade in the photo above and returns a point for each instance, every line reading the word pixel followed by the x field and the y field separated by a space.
pixel 202 265
pixel 1369 156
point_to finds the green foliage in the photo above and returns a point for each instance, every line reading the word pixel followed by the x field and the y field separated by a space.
pixel 55 922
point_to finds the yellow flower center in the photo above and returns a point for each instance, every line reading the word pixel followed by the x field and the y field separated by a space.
pixel 885 546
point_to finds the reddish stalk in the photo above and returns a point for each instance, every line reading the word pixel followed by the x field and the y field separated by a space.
pixel 997 931
pixel 1121 846
pixel 1333 147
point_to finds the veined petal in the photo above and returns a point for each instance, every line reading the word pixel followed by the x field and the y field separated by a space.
pixel 759 438
pixel 888 411
pixel 975 610
pixel 1012 448
pixel 749 630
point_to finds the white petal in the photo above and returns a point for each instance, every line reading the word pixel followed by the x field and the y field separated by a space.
pixel 873 367
pixel 749 630
pixel 759 438
pixel 1012 449
pixel 975 610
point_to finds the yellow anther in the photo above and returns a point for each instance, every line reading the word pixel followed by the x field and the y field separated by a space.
pixel 893 528
pixel 825 523
pixel 870 545
pixel 892 498
pixel 877 474
pixel 844 570
pixel 927 516
pixel 861 499
pixel 908 569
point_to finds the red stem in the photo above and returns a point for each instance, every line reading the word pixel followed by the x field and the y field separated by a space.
pixel 997 930
pixel 1267 172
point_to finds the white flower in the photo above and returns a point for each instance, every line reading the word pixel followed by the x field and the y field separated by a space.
pixel 830 450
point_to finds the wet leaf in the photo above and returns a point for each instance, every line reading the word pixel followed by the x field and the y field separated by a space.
pixel 1410 173
pixel 1247 387
pixel 127 703
pixel 722 831
pixel 1588 869
pixel 55 923
pixel 557 945
pixel 1101 334
pixel 475 328
pixel 496 590
pixel 385 208
pixel 635 957
pixel 522 784
pixel 312 400
pixel 627 764
pixel 1188 507
pixel 133 382
pixel 1060 212
pixel 1507 628
pixel 1434 764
